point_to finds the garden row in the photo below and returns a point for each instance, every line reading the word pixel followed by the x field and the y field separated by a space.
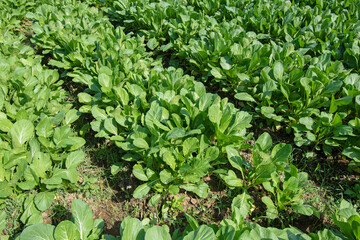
pixel 173 130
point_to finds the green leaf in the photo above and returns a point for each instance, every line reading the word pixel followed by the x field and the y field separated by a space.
pixel 3 221
pixel 190 145
pixel 152 43
pixel 141 190
pixel 66 230
pixel 271 211
pixel 74 159
pixel 202 233
pixel 278 70
pixel 105 81
pixel 71 116
pixel 264 141
pixel 111 125
pixel 99 114
pixel 243 96
pixel 200 188
pixel 131 229
pixel 235 159
pixel 5 190
pixel 303 209
pixel 84 97
pixel 192 221
pixel 140 143
pixel 307 122
pixel 83 217
pixel 157 233
pixel 5 124
pixel 154 200
pixel 170 160
pixel 176 133
pixel 43 200
pixel 39 231
pixel 45 128
pixel 21 132
pixel 166 176
pixel 281 152
pixel 226 63
pixel 139 173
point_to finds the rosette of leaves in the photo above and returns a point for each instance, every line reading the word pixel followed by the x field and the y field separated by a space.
pixel 265 162
pixel 286 190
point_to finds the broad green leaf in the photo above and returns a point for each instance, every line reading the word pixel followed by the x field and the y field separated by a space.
pixel 66 230
pixel 105 81
pixel 281 152
pixel 307 122
pixel 139 173
pixel 45 128
pixel 84 97
pixel 141 143
pixel 190 145
pixel 154 200
pixel 99 114
pixel 303 209
pixel 71 116
pixel 131 229
pixel 271 211
pixel 5 124
pixel 166 176
pixel 141 190
pixel 21 132
pixel 5 190
pixel 83 217
pixel 43 200
pixel 241 206
pixel 74 159
pixel 264 141
pixel 235 159
pixel 170 160
pixel 157 233
pixel 3 221
pixel 202 233
pixel 176 133
pixel 243 96
pixel 39 231
pixel 200 188
pixel 111 125
pixel 278 70
pixel 226 63
pixel 152 43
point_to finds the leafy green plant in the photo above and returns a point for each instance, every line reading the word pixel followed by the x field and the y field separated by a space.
pixel 264 163
pixel 82 226
pixel 286 190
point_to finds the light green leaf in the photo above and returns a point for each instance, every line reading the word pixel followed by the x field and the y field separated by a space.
pixel 99 114
pixel 141 143
pixel 243 96
pixel 83 217
pixel 278 70
pixel 170 160
pixel 39 231
pixel 43 200
pixel 271 211
pixel 111 125
pixel 190 145
pixel 141 190
pixel 71 116
pixel 131 229
pixel 139 173
pixel 202 233
pixel 66 230
pixel 74 159
pixel 21 132
pixel 157 233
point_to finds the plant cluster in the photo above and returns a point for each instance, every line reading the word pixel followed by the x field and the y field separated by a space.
pixel 143 75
